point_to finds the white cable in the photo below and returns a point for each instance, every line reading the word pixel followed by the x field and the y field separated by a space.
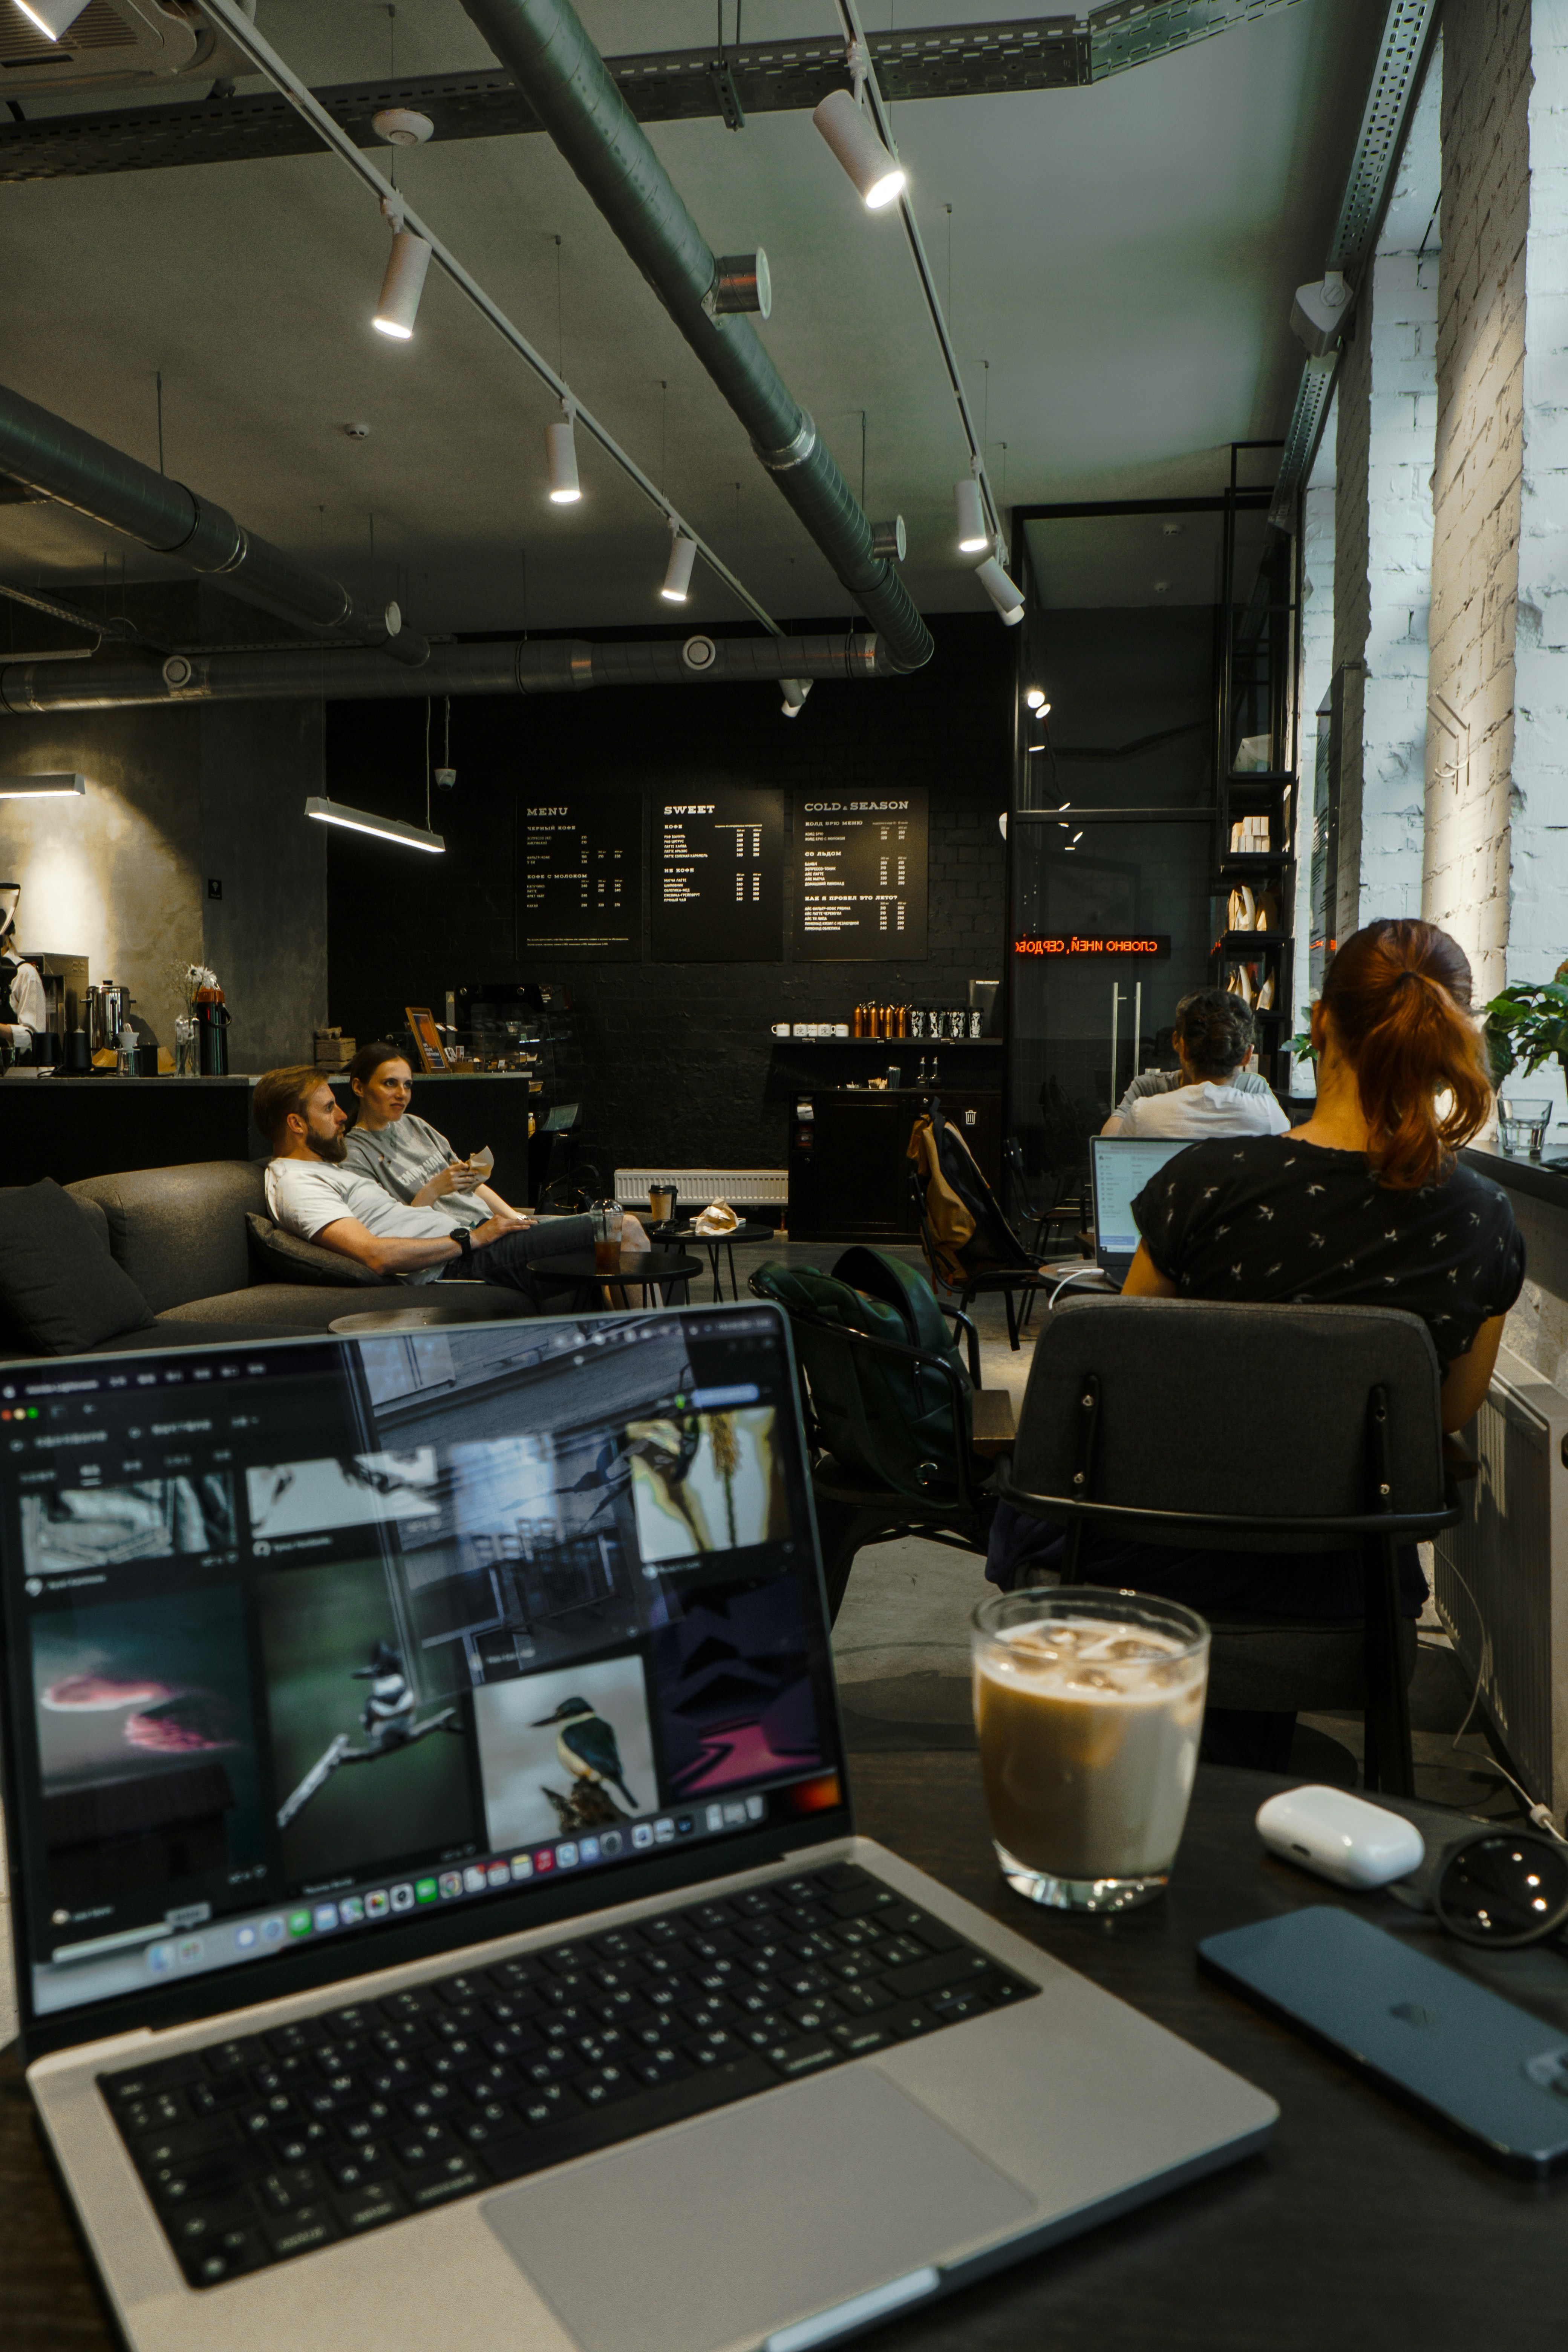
pixel 1540 1815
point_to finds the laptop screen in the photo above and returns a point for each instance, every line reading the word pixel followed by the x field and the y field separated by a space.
pixel 1122 1166
pixel 312 1640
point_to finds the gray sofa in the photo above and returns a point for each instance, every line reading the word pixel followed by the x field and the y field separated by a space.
pixel 182 1236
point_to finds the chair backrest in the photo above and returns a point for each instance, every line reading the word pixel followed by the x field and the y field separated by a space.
pixel 1237 1410
pixel 883 1415
pixel 180 1233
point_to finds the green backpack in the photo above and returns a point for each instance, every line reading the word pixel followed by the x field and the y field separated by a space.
pixel 881 1416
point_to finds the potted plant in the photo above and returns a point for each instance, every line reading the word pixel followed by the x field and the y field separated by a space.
pixel 1528 1024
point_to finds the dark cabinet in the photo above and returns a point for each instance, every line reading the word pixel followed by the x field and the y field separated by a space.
pixel 848 1161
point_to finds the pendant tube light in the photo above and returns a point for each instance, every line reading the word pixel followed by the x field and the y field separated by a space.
pixel 402 286
pixel 974 532
pixel 383 828
pixel 561 450
pixel 678 571
pixel 1007 598
pixel 42 788
pixel 848 130
pixel 52 17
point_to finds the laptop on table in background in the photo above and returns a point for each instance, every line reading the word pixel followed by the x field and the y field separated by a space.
pixel 1120 1167
pixel 436 1888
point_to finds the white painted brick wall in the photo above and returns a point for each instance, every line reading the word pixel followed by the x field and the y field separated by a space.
pixel 1477 472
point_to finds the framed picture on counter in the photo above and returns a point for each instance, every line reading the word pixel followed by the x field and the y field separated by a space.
pixel 426 1036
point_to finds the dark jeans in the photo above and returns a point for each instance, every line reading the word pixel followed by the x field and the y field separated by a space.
pixel 509 1260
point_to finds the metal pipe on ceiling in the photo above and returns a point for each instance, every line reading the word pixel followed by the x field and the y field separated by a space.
pixel 545 49
pixel 77 471
pixel 345 673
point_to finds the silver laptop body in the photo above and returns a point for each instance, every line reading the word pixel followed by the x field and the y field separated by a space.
pixel 336 1670
pixel 1120 1167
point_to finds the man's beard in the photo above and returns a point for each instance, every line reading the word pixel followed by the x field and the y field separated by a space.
pixel 333 1147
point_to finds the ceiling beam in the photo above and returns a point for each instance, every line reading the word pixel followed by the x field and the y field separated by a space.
pixel 1062 52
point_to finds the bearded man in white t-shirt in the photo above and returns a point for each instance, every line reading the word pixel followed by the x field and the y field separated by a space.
pixel 311 1194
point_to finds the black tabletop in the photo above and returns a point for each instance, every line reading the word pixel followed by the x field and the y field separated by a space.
pixel 744 1232
pixel 1364 2229
pixel 635 1265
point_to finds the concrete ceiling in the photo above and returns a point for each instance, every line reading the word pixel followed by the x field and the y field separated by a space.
pixel 1122 255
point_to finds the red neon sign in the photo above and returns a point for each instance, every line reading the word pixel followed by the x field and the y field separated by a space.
pixel 1144 946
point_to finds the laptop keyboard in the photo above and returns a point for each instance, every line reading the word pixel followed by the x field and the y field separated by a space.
pixel 267 2146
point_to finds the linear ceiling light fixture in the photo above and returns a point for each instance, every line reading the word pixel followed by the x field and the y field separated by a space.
pixel 678 571
pixel 843 123
pixel 42 788
pixel 383 828
pixel 52 17
pixel 405 280
pixel 560 451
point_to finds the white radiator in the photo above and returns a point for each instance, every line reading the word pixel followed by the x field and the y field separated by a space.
pixel 1511 1550
pixel 741 1187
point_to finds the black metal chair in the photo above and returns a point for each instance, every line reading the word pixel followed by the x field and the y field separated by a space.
pixel 1173 1421
pixel 948 1503
pixel 1061 1209
pixel 1011 1281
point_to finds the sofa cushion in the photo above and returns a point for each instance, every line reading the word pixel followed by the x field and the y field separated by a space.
pixel 60 1290
pixel 179 1232
pixel 283 1257
pixel 288 1305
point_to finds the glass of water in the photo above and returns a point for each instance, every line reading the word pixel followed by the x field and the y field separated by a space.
pixel 1522 1123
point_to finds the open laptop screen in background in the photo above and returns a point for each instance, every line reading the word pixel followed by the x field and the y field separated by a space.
pixel 323 1636
pixel 1122 1166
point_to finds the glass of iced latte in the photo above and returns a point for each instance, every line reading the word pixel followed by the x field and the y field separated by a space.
pixel 1088 1703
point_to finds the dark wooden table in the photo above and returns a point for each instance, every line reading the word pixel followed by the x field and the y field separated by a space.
pixel 1363 2228
pixel 688 1237
pixel 657 1269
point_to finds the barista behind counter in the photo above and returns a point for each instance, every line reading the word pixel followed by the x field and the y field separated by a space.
pixel 23 1016
pixel 405 1155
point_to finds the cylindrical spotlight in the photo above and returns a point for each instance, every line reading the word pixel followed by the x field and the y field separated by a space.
pixel 402 287
pixel 794 691
pixel 1007 599
pixel 1036 698
pixel 52 17
pixel 973 531
pixel 561 447
pixel 849 132
pixel 678 571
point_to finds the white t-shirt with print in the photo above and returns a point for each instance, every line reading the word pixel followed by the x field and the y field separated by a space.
pixel 305 1196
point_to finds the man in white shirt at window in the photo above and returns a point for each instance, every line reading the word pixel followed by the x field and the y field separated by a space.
pixel 1213 1093
pixel 311 1194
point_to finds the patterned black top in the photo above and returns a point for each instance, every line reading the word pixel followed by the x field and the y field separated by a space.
pixel 1273 1220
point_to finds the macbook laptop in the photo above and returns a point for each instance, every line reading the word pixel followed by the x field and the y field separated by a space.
pixel 439 1907
pixel 1120 1167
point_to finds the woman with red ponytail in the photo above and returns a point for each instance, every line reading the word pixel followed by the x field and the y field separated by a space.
pixel 1366 1204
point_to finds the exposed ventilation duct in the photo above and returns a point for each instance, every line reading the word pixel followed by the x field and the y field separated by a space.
pixel 71 465
pixel 544 48
pixel 346 673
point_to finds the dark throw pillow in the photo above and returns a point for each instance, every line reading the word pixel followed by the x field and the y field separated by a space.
pixel 61 1291
pixel 289 1259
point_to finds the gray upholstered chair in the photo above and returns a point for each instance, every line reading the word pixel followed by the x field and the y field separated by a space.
pixel 1244 1428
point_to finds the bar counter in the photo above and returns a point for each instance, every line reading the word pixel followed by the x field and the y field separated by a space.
pixel 75 1126
pixel 1537 1191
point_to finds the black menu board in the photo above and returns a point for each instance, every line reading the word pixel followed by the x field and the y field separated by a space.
pixel 862 876
pixel 580 878
pixel 718 877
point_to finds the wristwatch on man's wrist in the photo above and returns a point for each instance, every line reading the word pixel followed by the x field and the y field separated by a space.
pixel 460 1235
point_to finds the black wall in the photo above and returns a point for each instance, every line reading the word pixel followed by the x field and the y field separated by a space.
pixel 676 1056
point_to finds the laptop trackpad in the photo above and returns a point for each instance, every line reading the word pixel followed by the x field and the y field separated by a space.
pixel 762 2215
